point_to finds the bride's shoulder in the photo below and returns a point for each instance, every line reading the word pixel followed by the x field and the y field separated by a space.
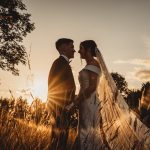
pixel 83 71
pixel 83 74
pixel 95 63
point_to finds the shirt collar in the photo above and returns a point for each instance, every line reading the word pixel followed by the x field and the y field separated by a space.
pixel 67 59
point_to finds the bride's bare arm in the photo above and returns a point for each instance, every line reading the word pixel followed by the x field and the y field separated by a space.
pixel 92 84
pixel 88 91
pixel 83 94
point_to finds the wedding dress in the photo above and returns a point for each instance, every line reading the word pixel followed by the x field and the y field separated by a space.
pixel 105 119
pixel 89 113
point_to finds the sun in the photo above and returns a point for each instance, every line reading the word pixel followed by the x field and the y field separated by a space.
pixel 39 89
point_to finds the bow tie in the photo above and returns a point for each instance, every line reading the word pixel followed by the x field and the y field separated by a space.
pixel 70 61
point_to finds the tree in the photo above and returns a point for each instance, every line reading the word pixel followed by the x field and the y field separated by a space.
pixel 121 83
pixel 15 24
pixel 145 87
pixel 133 98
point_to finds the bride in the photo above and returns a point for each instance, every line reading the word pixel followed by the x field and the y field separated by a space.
pixel 89 103
pixel 105 120
pixel 89 133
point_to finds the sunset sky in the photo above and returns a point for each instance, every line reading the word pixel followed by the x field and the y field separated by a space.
pixel 121 29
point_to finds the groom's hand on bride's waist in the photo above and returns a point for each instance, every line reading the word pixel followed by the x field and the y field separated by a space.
pixel 69 106
pixel 72 105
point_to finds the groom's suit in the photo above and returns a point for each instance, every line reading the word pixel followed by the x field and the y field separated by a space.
pixel 61 91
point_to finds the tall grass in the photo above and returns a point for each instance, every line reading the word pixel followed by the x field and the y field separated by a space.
pixel 25 127
pixel 16 134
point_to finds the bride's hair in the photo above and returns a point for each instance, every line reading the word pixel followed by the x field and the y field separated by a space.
pixel 89 44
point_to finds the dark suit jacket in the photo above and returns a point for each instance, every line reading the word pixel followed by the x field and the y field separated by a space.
pixel 61 85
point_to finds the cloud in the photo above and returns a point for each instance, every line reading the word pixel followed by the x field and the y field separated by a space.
pixel 139 74
pixel 137 69
pixel 142 62
pixel 143 74
pixel 140 70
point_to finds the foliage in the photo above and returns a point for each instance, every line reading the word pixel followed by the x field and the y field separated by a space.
pixel 121 83
pixel 133 98
pixel 15 24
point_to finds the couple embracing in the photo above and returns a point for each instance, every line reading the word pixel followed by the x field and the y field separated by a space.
pixel 62 99
pixel 105 121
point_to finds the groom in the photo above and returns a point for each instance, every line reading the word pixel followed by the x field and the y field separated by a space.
pixel 61 92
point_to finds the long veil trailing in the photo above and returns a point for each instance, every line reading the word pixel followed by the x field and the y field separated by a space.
pixel 121 127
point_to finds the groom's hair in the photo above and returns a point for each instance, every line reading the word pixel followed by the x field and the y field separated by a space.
pixel 62 41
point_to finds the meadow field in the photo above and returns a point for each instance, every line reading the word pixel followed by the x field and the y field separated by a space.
pixel 24 126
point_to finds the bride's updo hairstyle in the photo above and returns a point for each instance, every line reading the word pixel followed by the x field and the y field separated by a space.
pixel 90 45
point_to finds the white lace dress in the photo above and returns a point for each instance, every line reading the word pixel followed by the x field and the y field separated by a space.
pixel 89 113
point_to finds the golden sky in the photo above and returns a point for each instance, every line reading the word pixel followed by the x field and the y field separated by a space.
pixel 121 29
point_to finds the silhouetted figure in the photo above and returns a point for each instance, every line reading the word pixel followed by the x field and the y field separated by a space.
pixel 89 129
pixel 61 91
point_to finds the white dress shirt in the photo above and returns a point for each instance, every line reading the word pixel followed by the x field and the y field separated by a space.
pixel 67 59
